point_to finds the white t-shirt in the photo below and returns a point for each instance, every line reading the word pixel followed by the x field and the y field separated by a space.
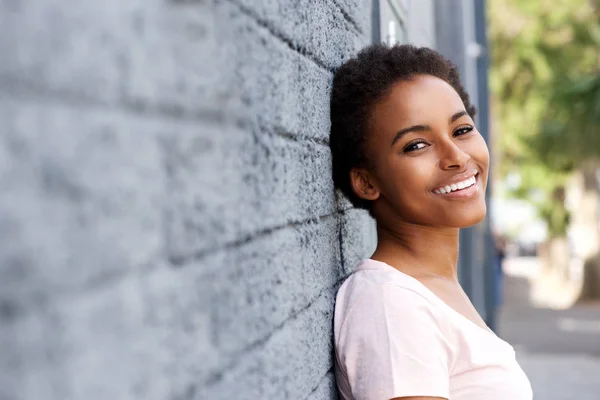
pixel 394 337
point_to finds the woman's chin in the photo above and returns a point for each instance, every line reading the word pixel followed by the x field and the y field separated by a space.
pixel 471 219
pixel 462 217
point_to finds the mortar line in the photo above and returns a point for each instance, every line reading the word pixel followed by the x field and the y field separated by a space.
pixel 348 18
pixel 303 51
pixel 327 374
pixel 217 375
pixel 14 87
pixel 25 91
pixel 245 239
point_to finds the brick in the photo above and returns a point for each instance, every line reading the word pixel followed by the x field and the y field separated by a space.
pixel 287 365
pixel 258 287
pixel 226 184
pixel 326 388
pixel 83 197
pixel 26 372
pixel 359 237
pixel 295 22
pixel 270 84
pixel 143 337
pixel 110 50
pixel 70 352
pixel 359 12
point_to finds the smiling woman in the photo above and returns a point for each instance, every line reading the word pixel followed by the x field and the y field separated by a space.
pixel 406 148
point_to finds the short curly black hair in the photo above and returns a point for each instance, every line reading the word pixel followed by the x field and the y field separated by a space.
pixel 361 82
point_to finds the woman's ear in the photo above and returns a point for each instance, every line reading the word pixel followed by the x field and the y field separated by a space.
pixel 363 184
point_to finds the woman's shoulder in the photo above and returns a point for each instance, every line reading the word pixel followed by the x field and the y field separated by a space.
pixel 370 276
pixel 374 284
pixel 375 301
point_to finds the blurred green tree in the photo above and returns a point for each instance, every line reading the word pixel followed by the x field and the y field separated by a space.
pixel 569 136
pixel 546 103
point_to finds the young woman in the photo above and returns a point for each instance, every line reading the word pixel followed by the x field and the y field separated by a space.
pixel 405 147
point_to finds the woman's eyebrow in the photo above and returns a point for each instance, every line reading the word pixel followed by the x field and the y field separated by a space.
pixel 422 128
pixel 414 128
pixel 457 115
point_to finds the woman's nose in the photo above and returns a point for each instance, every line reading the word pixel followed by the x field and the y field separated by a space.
pixel 453 157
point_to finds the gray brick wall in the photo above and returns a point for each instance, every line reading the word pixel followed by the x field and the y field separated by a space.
pixel 168 224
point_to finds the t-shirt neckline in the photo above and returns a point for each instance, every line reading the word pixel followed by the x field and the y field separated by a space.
pixel 430 292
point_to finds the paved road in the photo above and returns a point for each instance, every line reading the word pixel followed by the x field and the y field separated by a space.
pixel 558 349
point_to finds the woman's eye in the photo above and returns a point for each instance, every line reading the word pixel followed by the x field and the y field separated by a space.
pixel 462 131
pixel 415 146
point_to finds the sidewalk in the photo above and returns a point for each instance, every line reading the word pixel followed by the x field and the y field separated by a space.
pixel 558 349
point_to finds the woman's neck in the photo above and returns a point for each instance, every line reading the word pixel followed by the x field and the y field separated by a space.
pixel 418 250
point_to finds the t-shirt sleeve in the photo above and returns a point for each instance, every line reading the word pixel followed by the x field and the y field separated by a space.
pixel 395 343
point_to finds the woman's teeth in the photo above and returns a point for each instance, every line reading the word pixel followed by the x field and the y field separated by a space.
pixel 456 186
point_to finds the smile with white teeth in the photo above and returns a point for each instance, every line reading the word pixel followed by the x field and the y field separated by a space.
pixel 456 186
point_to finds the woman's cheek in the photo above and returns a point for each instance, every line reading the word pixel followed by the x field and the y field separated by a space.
pixel 479 151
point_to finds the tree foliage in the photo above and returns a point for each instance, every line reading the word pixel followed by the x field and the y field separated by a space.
pixel 546 95
pixel 569 131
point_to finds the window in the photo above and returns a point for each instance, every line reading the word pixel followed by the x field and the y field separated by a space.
pixel 391 20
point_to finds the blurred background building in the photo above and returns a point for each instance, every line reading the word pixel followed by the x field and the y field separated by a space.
pixel 168 224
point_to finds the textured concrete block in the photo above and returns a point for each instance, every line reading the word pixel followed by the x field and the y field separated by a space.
pixel 326 388
pixel 82 197
pixel 144 337
pixel 359 237
pixel 269 84
pixel 110 50
pixel 226 184
pixel 26 369
pixel 71 350
pixel 255 289
pixel 359 12
pixel 288 365
pixel 295 21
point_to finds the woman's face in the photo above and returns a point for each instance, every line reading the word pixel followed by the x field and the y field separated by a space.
pixel 430 162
